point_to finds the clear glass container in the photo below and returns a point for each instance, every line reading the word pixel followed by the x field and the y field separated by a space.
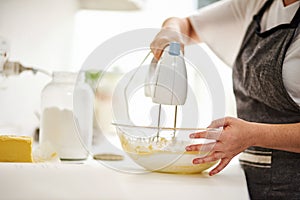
pixel 67 115
pixel 165 152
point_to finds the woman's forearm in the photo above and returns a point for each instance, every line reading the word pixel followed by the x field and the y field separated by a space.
pixel 277 136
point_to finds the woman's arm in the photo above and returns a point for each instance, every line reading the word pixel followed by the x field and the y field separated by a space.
pixel 220 25
pixel 278 136
pixel 237 135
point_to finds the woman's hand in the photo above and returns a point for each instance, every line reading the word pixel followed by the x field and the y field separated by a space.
pixel 163 39
pixel 173 30
pixel 236 136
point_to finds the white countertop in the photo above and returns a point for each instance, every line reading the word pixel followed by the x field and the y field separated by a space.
pixel 92 180
pixel 99 180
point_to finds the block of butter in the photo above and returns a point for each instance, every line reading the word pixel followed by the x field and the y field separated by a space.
pixel 15 148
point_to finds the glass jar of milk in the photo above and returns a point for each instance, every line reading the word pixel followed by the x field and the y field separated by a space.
pixel 67 115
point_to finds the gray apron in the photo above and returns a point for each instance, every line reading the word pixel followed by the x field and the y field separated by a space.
pixel 261 97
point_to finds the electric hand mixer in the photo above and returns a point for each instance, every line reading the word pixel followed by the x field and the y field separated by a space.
pixel 167 81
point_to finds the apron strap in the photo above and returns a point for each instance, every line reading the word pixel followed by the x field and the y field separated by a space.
pixel 296 20
pixel 258 16
pixel 260 13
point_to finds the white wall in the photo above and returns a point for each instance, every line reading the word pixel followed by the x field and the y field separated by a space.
pixel 94 27
pixel 40 34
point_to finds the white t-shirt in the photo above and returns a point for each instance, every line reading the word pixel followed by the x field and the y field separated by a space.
pixel 222 27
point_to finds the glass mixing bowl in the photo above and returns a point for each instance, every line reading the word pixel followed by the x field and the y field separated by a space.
pixel 163 149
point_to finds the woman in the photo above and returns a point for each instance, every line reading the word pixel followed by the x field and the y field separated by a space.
pixel 260 39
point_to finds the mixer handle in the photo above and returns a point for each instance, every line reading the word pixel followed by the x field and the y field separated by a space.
pixel 149 76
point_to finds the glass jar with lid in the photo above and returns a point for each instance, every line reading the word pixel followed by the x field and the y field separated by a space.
pixel 67 115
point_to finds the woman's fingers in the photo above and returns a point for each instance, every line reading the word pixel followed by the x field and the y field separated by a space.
pixel 210 158
pixel 204 147
pixel 157 46
pixel 214 135
pixel 223 163
pixel 222 122
pixel 163 39
pixel 198 135
pixel 217 123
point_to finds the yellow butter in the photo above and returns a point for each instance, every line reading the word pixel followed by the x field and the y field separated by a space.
pixel 15 148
